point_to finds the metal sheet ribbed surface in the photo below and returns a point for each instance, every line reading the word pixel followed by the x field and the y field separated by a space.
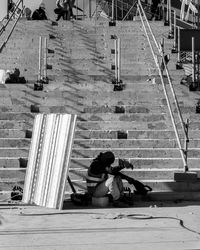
pixel 49 158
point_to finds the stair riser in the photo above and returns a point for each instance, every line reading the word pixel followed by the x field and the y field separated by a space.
pixel 21 125
pixel 9 152
pixel 137 163
pixel 105 143
pixel 157 186
pixel 134 153
pixel 126 125
pixel 19 175
pixel 162 134
pixel 5 133
pixel 141 163
pixel 15 143
pixel 8 184
pixel 121 125
pixel 138 175
pixel 121 143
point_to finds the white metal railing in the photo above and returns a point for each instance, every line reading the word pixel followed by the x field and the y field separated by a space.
pixel 42 64
pixel 117 63
pixel 161 55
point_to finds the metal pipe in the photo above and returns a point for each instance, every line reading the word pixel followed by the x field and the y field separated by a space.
pixel 45 58
pixel 116 16
pixel 179 51
pixel 119 58
pixel 113 10
pixel 193 59
pixel 170 16
pixel 186 143
pixel 167 12
pixel 116 63
pixel 40 59
pixel 174 29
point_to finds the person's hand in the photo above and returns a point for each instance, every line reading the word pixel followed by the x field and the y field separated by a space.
pixel 125 164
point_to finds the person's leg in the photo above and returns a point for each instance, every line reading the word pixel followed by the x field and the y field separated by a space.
pixel 112 185
pixel 58 17
pixel 101 190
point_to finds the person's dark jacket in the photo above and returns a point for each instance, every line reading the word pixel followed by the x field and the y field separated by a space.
pixel 39 14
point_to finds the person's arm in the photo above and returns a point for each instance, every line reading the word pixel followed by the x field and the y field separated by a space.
pixel 58 4
pixel 122 164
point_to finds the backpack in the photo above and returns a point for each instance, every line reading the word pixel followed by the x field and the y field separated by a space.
pixel 141 189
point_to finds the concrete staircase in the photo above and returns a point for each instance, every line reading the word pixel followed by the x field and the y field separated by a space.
pixel 134 123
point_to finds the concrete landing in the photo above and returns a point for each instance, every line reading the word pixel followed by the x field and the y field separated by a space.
pixel 147 225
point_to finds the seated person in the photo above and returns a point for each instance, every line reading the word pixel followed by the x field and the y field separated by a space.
pixel 39 14
pixel 27 13
pixel 103 179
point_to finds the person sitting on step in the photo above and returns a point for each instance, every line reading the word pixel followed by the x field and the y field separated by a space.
pixel 39 14
pixel 103 179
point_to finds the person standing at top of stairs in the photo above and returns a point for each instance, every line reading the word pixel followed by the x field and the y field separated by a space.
pixel 63 9
pixel 154 9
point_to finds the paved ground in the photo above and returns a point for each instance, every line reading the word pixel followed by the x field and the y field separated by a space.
pixel 147 225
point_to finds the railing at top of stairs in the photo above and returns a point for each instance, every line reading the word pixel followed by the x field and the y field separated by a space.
pixel 13 13
pixel 156 57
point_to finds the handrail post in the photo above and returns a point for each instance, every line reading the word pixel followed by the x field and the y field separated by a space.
pixel 39 84
pixel 90 9
pixel 171 35
pixel 116 10
pixel 186 144
pixel 179 65
pixel 193 60
pixel 174 49
pixel 118 84
pixel 167 15
pixel 45 59
pixel 40 60
pixel 119 59
pixel 116 62
pixel 113 5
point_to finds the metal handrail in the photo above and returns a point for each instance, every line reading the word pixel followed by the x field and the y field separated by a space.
pixel 13 13
pixel 4 43
pixel 167 71
pixel 182 151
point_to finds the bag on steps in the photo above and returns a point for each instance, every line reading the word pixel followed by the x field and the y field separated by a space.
pixel 80 199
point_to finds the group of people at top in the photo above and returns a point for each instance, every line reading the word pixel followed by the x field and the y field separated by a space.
pixel 64 10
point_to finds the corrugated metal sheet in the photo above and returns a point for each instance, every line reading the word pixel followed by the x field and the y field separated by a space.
pixel 48 160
